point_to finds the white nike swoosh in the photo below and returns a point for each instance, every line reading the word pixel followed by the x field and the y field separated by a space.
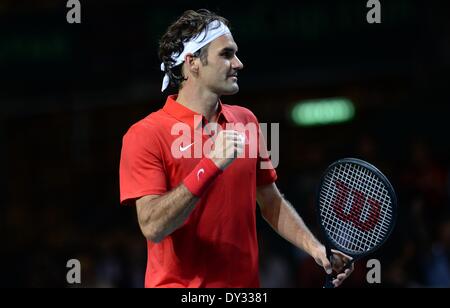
pixel 182 149
pixel 200 172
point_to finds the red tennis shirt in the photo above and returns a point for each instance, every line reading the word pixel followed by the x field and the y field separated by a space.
pixel 217 245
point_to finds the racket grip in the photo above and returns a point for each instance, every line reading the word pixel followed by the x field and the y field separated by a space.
pixel 329 278
pixel 348 265
pixel 329 282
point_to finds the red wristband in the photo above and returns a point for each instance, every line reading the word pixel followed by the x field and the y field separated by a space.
pixel 201 177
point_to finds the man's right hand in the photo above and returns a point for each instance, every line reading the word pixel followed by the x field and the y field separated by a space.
pixel 228 145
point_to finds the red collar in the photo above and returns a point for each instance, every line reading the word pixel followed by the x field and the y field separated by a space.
pixel 186 115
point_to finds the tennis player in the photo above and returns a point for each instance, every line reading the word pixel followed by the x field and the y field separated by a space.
pixel 198 212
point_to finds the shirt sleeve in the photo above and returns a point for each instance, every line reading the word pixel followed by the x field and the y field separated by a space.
pixel 141 170
pixel 265 172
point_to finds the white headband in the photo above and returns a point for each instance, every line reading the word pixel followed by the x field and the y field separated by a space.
pixel 213 30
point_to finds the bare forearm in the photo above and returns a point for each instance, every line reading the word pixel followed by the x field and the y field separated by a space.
pixel 160 216
pixel 285 220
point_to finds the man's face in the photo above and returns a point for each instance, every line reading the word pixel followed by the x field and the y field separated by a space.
pixel 219 75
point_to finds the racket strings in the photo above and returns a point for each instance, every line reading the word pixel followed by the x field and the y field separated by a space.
pixel 355 207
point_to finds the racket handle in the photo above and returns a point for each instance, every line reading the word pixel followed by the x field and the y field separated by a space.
pixel 329 278
pixel 329 282
pixel 348 265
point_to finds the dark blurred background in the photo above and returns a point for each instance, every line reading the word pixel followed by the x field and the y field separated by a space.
pixel 69 92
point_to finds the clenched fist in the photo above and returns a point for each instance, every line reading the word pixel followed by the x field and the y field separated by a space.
pixel 228 145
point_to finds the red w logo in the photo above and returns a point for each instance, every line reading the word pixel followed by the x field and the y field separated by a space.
pixel 340 200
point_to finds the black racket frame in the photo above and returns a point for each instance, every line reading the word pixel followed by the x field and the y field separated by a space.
pixel 331 243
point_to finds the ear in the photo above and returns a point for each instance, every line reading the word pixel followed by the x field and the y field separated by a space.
pixel 192 63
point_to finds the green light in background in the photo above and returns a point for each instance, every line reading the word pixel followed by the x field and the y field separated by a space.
pixel 323 111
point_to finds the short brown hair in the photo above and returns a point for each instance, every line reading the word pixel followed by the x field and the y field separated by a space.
pixel 185 28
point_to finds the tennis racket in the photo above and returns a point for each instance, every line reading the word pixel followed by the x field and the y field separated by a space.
pixel 357 209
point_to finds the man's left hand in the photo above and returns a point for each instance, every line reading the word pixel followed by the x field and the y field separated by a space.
pixel 339 260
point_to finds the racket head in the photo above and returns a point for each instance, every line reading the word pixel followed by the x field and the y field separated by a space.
pixel 357 207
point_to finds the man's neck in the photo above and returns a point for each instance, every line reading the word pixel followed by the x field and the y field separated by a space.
pixel 205 103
